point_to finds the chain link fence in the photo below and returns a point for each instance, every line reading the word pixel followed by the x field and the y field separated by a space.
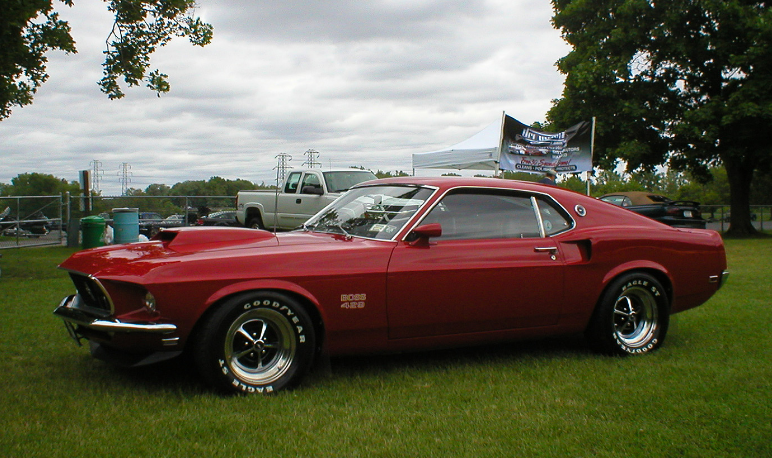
pixel 31 221
pixel 55 220
pixel 717 217
pixel 27 221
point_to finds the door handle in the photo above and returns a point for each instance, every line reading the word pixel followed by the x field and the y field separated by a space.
pixel 297 201
pixel 552 250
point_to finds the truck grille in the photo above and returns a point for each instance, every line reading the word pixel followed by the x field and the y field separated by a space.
pixel 91 292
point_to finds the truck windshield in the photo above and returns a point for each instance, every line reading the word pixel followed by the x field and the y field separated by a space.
pixel 344 180
pixel 376 212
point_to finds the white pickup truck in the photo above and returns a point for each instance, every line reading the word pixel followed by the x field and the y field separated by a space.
pixel 301 196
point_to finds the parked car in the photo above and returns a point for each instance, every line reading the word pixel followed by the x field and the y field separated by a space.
pixel 676 213
pixel 393 265
pixel 148 221
pixel 33 226
pixel 223 218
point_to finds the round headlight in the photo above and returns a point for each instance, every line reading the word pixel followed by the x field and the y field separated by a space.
pixel 149 302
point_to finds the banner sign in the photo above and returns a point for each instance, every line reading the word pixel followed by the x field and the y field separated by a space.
pixel 525 149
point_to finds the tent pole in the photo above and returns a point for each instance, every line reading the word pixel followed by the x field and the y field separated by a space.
pixel 497 174
pixel 592 154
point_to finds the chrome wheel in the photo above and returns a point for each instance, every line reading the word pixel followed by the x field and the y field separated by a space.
pixel 260 346
pixel 635 317
pixel 631 317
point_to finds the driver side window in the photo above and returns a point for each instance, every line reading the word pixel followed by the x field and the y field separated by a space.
pixel 310 180
pixel 480 214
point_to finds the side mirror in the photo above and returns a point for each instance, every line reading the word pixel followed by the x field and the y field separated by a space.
pixel 420 236
pixel 316 190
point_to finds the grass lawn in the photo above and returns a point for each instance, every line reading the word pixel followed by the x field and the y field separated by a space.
pixel 706 393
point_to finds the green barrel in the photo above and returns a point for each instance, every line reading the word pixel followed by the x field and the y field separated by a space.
pixel 93 228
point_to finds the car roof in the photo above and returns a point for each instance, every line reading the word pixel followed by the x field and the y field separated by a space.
pixel 453 182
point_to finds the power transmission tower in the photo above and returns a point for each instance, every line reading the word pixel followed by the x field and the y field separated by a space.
pixel 96 175
pixel 124 175
pixel 312 159
pixel 282 167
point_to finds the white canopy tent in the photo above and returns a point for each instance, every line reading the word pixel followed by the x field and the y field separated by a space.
pixel 479 152
pixel 511 145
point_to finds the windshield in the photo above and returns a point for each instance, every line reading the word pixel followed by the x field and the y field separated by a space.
pixel 343 181
pixel 377 212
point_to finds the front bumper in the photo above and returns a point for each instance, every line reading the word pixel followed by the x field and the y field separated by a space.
pixel 71 311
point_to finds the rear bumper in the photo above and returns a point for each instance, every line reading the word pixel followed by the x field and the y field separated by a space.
pixel 720 279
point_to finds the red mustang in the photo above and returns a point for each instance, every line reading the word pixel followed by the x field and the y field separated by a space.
pixel 393 265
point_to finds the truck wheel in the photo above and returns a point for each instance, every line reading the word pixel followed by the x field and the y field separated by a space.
pixel 255 222
pixel 261 342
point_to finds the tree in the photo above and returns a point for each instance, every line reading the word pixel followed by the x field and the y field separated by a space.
pixel 31 28
pixel 687 83
pixel 40 184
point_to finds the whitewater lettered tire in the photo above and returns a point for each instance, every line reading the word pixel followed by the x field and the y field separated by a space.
pixel 260 342
pixel 632 316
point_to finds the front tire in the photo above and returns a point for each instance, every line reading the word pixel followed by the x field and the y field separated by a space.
pixel 632 316
pixel 256 343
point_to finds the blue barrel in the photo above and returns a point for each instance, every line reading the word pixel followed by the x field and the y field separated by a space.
pixel 125 225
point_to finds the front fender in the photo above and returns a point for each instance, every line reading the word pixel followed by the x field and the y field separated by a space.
pixel 263 284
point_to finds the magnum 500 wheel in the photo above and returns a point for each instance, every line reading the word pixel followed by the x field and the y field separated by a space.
pixel 256 343
pixel 632 316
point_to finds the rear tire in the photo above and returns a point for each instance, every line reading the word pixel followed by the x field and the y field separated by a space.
pixel 259 342
pixel 255 222
pixel 632 316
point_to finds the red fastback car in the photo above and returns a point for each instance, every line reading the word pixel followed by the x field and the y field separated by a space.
pixel 393 265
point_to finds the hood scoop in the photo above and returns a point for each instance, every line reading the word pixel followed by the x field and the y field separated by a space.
pixel 202 238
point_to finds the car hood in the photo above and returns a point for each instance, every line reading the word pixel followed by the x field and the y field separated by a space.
pixel 174 245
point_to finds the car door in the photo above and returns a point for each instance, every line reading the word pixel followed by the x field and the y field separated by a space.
pixel 493 268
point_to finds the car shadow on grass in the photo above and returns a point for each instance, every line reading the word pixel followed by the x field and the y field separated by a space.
pixel 179 376
pixel 546 349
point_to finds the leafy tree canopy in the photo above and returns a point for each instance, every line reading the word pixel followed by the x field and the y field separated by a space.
pixel 39 184
pixel 682 82
pixel 31 28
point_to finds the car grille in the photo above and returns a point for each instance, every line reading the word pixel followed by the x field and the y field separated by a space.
pixel 91 292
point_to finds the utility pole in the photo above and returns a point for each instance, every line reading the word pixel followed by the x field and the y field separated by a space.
pixel 312 159
pixel 96 175
pixel 282 167
pixel 124 174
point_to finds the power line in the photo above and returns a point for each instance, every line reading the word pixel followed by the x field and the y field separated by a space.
pixel 124 175
pixel 96 175
pixel 312 160
pixel 282 167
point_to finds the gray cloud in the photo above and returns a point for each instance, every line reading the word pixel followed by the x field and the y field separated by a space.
pixel 364 83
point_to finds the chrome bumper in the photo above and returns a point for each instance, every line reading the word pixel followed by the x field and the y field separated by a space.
pixel 69 311
pixel 720 279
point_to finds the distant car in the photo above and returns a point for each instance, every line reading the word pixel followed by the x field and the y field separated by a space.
pixel 393 265
pixel 676 213
pixel 148 222
pixel 224 218
pixel 34 225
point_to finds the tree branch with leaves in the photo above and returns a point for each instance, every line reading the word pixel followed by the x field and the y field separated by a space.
pixel 30 29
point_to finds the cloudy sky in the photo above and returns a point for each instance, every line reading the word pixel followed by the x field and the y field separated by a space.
pixel 363 82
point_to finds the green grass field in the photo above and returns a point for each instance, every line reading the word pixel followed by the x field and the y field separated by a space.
pixel 706 393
